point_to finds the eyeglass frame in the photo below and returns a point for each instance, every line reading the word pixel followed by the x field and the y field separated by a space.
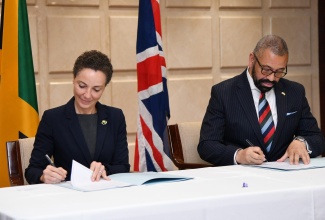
pixel 272 71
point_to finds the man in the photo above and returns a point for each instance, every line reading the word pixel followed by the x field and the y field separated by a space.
pixel 258 115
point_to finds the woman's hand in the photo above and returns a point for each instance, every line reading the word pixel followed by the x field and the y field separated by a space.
pixel 53 174
pixel 98 171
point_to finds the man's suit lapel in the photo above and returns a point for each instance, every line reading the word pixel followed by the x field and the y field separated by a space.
pixel 102 125
pixel 76 131
pixel 245 98
pixel 281 104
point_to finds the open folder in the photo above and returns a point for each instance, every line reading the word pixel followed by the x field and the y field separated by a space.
pixel 81 179
pixel 286 166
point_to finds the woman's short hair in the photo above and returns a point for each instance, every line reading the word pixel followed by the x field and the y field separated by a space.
pixel 94 60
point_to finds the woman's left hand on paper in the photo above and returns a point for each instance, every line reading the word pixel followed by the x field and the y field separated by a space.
pixel 98 171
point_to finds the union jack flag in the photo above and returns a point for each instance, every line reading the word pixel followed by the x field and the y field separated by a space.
pixel 152 148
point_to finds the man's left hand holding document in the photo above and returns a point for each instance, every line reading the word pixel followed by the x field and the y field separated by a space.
pixel 81 180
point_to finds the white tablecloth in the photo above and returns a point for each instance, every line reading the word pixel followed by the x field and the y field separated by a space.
pixel 214 193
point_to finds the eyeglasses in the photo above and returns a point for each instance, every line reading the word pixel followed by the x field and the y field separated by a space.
pixel 266 70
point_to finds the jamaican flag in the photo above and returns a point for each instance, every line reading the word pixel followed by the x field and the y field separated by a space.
pixel 18 101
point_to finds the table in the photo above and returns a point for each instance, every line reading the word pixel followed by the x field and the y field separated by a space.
pixel 214 193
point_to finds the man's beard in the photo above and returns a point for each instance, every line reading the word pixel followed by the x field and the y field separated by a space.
pixel 258 83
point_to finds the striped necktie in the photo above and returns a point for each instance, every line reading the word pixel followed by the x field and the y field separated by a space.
pixel 266 121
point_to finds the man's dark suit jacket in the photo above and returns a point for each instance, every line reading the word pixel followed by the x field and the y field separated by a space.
pixel 231 118
pixel 59 134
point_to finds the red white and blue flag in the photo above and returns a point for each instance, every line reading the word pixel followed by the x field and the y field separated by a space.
pixel 152 147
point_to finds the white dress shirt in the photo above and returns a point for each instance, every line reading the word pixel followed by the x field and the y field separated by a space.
pixel 270 97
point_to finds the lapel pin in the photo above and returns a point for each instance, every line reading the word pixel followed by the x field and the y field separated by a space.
pixel 283 93
pixel 104 122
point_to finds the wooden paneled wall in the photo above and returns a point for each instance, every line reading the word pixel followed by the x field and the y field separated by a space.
pixel 205 42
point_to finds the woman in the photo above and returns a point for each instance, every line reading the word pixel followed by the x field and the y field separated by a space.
pixel 83 130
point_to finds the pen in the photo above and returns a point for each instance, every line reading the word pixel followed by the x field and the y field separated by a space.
pixel 251 144
pixel 50 161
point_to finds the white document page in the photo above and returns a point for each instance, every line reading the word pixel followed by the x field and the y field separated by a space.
pixel 81 179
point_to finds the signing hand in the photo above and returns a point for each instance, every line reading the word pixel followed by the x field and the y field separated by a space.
pixel 296 150
pixel 53 174
pixel 250 155
pixel 98 171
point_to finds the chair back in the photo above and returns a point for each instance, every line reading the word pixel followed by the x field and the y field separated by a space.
pixel 18 155
pixel 184 138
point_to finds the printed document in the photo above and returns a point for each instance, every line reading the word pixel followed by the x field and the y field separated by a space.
pixel 81 179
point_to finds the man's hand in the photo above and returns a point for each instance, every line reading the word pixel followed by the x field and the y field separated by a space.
pixel 295 151
pixel 250 155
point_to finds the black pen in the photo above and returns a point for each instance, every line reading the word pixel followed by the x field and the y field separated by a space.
pixel 50 161
pixel 251 144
